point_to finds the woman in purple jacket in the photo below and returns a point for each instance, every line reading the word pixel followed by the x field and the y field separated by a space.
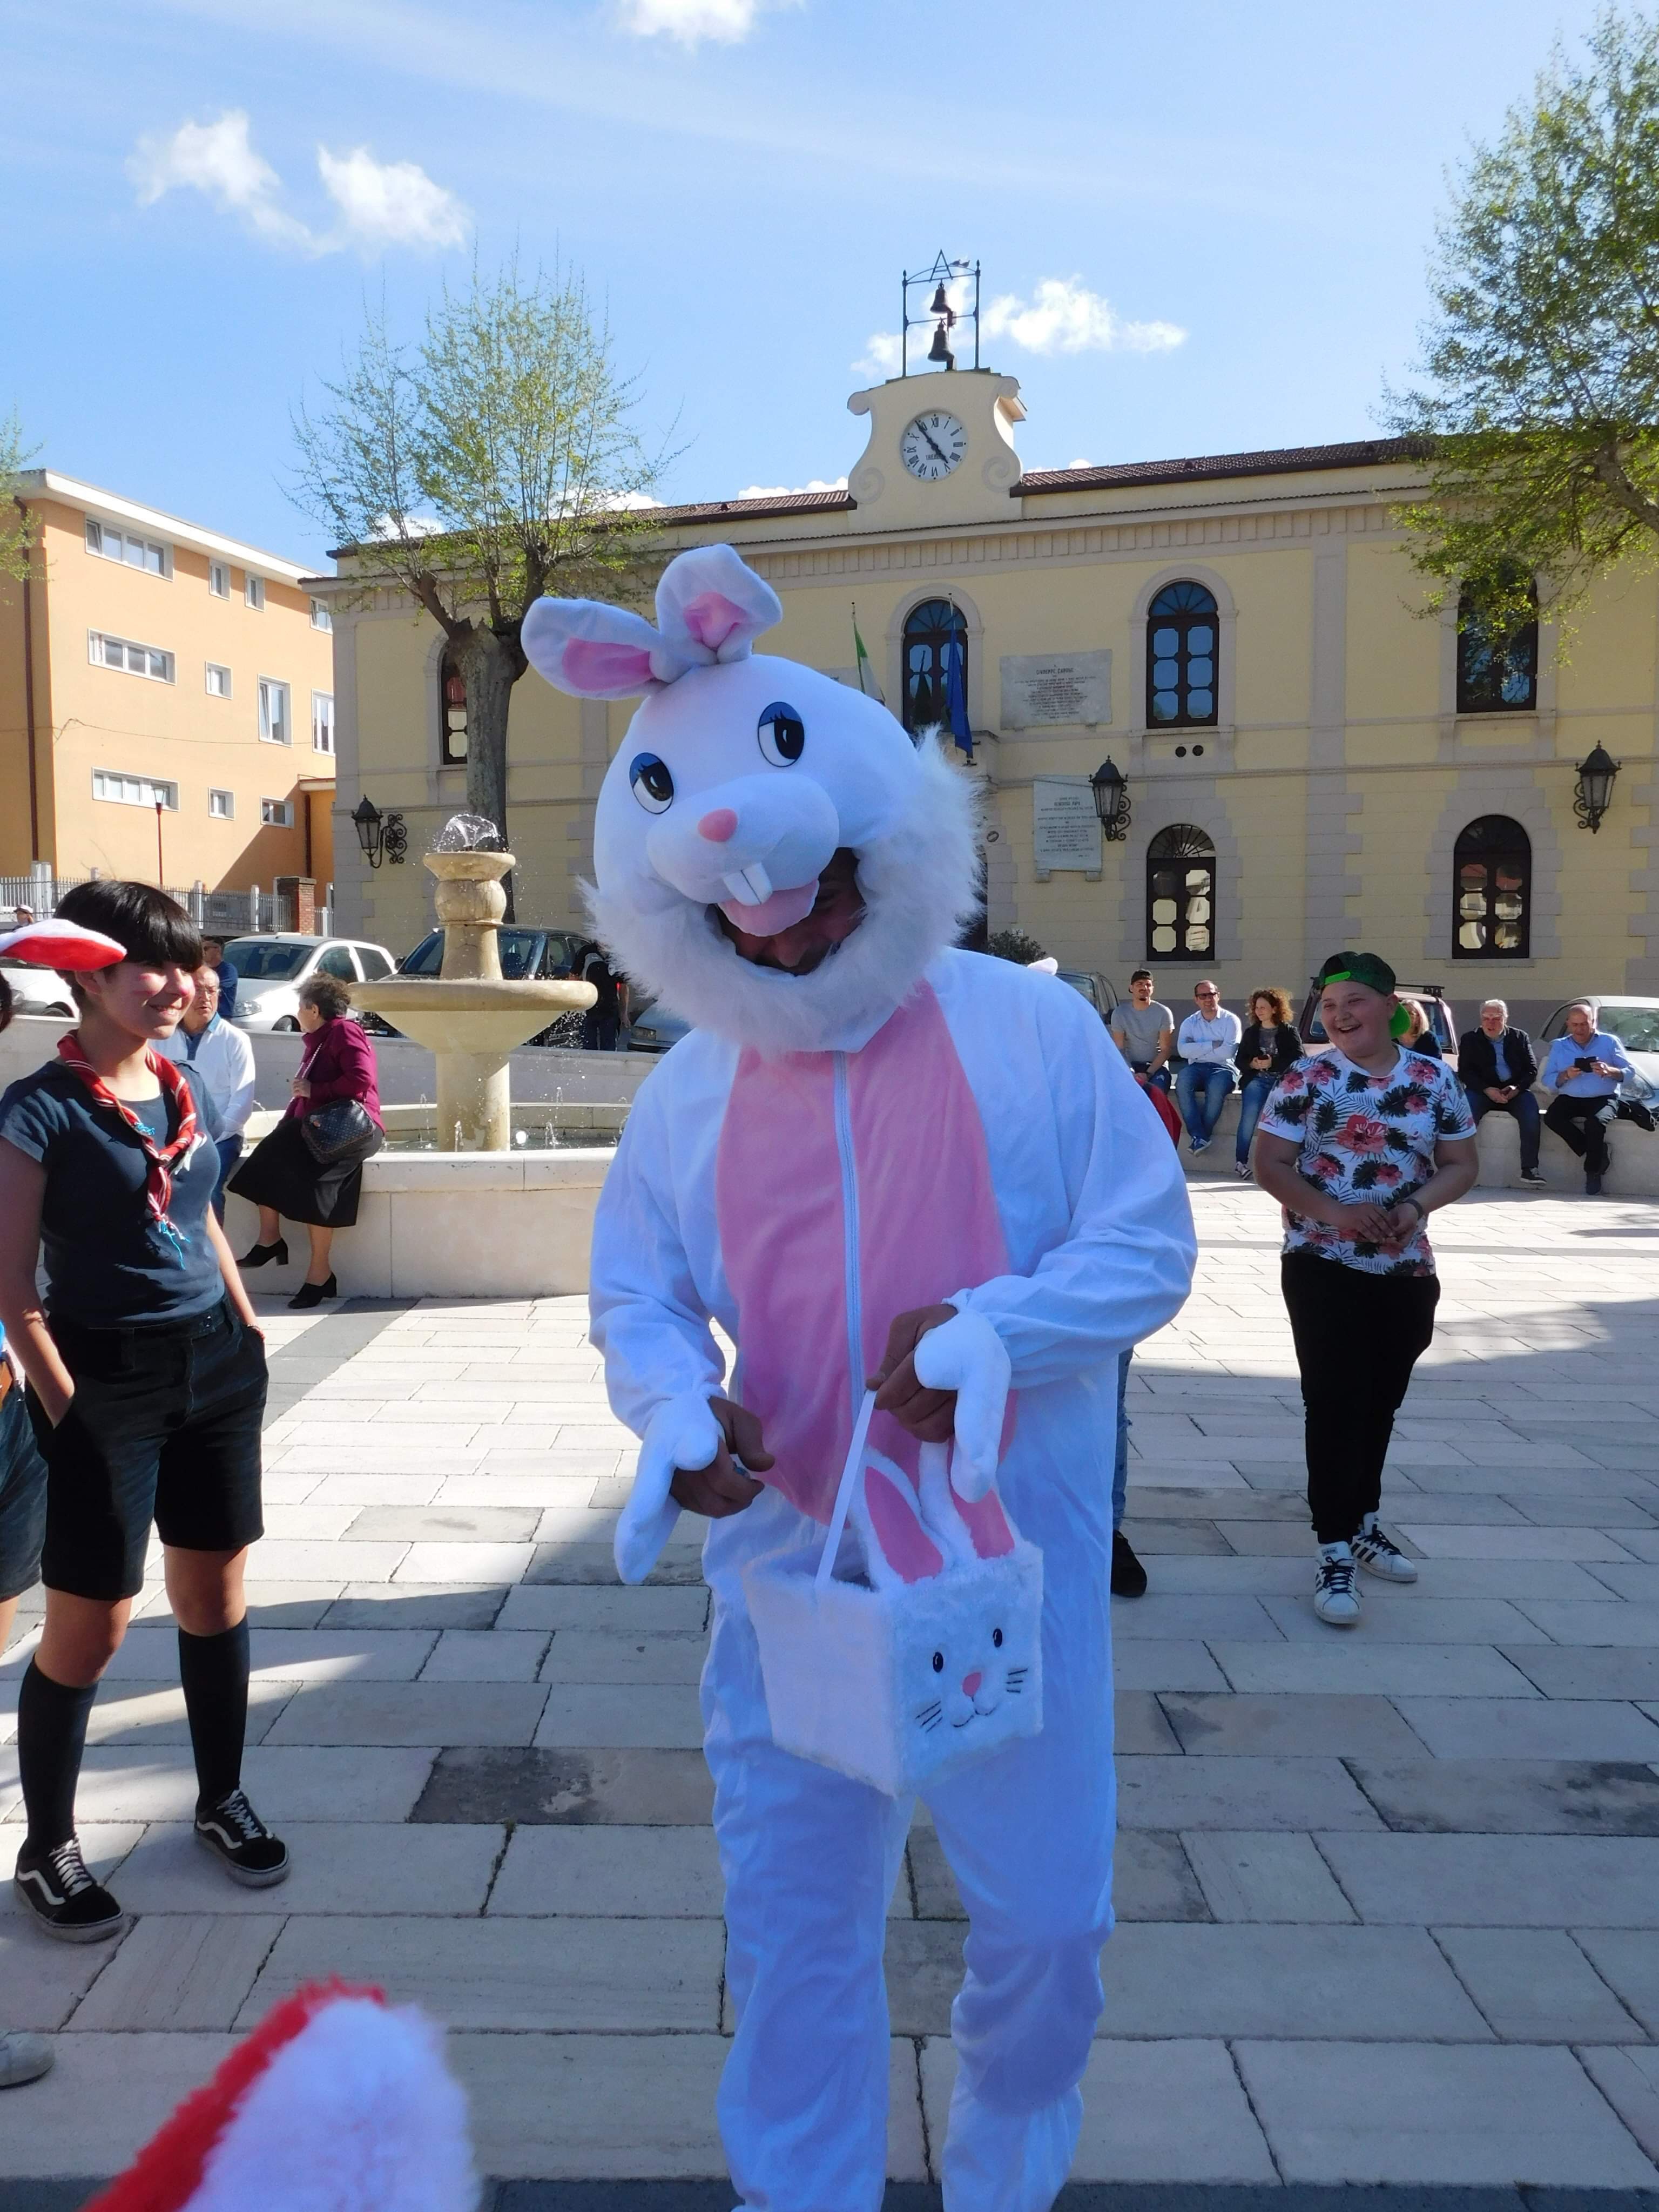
pixel 280 1175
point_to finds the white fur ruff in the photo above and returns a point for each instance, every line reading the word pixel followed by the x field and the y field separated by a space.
pixel 919 884
pixel 357 2114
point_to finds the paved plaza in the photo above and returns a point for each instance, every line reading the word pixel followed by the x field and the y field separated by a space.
pixel 1389 1901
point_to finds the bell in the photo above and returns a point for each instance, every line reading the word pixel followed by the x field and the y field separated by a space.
pixel 941 306
pixel 938 350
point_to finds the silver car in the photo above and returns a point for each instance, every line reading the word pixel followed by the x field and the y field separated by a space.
pixel 38 990
pixel 1635 1022
pixel 270 971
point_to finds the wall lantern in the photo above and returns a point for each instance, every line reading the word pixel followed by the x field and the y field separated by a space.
pixel 1111 800
pixel 1593 793
pixel 380 834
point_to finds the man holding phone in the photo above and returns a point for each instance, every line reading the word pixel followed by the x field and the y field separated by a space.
pixel 1585 1069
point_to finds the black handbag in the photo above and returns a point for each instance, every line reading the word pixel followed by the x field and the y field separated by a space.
pixel 341 1132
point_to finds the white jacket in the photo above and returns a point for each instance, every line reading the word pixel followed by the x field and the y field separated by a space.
pixel 224 1064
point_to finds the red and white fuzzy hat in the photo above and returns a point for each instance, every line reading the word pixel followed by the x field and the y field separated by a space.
pixel 63 945
pixel 336 2103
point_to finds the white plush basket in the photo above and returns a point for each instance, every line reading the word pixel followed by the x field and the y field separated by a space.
pixel 897 1680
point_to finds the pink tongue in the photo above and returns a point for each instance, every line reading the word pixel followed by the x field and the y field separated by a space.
pixel 781 912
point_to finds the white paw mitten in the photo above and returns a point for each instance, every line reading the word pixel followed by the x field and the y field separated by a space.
pixel 966 1355
pixel 681 1432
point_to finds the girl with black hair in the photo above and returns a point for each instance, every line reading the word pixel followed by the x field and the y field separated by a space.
pixel 147 1386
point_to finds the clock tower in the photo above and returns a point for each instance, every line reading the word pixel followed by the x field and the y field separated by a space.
pixel 941 448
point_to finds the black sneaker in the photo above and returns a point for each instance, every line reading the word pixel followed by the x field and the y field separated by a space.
pixel 1532 1175
pixel 1592 1186
pixel 67 1903
pixel 1128 1575
pixel 241 1842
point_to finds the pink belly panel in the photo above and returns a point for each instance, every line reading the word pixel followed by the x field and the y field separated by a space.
pixel 927 1223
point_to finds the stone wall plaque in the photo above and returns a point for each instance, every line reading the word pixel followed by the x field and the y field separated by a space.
pixel 1065 828
pixel 1047 691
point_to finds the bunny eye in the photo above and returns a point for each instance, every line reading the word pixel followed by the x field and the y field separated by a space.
pixel 996 1637
pixel 939 1663
pixel 653 786
pixel 782 734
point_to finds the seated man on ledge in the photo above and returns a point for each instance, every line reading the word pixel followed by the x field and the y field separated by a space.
pixel 1498 1068
pixel 1585 1069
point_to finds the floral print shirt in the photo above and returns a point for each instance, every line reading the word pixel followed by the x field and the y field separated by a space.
pixel 1365 1137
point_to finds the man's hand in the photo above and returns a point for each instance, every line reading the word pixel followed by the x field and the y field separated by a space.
pixel 1367 1224
pixel 1607 1067
pixel 1500 1093
pixel 929 1415
pixel 722 1488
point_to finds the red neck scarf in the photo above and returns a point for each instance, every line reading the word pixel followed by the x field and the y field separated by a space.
pixel 158 1158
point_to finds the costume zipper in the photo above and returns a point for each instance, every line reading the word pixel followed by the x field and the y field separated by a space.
pixel 850 1211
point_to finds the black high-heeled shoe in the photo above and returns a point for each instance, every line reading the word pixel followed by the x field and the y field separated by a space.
pixel 313 1294
pixel 261 1256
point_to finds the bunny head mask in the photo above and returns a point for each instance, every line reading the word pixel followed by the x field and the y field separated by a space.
pixel 740 778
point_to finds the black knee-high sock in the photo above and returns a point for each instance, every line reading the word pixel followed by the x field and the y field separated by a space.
pixel 214 1670
pixel 51 1734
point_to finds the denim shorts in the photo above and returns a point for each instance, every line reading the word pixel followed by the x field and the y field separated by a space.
pixel 163 1427
pixel 22 1498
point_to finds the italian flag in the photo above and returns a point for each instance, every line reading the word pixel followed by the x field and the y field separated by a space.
pixel 867 683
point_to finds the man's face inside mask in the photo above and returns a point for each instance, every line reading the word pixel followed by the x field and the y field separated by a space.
pixel 836 912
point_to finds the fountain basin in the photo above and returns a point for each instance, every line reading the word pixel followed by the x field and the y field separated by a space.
pixel 474 1015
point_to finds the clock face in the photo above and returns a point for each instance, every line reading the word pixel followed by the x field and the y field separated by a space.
pixel 933 444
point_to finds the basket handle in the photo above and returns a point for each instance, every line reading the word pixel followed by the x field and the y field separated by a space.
pixel 849 1476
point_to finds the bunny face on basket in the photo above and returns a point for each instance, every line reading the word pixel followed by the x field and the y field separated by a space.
pixel 776 860
pixel 970 1674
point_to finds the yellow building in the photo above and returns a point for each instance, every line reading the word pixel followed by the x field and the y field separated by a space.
pixel 167 702
pixel 1310 760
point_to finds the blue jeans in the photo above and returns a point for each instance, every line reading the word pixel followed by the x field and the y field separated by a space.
pixel 229 1150
pixel 1121 1468
pixel 1162 1077
pixel 1253 1094
pixel 1216 1083
pixel 22 1498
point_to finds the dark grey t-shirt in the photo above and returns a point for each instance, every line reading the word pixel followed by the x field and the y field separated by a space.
pixel 108 1265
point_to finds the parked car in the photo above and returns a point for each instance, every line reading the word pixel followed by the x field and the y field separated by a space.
pixel 653 1028
pixel 1635 1022
pixel 1093 987
pixel 527 953
pixel 270 971
pixel 38 990
pixel 1436 1004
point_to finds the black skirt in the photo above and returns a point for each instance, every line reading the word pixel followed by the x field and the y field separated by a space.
pixel 280 1173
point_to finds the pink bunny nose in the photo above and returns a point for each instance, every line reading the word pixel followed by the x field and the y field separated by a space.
pixel 970 1685
pixel 718 826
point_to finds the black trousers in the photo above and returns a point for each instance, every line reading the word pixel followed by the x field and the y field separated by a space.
pixel 1574 1121
pixel 1357 1338
pixel 1522 1110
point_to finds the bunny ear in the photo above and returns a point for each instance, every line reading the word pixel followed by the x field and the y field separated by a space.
pixel 712 607
pixel 597 652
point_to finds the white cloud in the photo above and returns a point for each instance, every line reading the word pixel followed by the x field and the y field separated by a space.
pixel 390 203
pixel 788 491
pixel 379 204
pixel 728 22
pixel 1065 317
pixel 880 356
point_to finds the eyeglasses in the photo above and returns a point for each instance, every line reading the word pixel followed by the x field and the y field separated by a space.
pixel 1204 994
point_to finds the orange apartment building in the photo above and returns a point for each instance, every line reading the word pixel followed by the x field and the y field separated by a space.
pixel 167 702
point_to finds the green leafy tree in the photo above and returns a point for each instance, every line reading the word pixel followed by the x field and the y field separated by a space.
pixel 1016 945
pixel 1538 416
pixel 17 528
pixel 495 461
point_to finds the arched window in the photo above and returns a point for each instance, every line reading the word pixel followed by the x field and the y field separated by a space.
pixel 1491 867
pixel 1181 894
pixel 1496 675
pixel 1182 637
pixel 452 711
pixel 935 659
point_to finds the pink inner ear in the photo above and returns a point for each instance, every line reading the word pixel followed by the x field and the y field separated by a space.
pixel 911 1551
pixel 593 665
pixel 711 618
pixel 988 1525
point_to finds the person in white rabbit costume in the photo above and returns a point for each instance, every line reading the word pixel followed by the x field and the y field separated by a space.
pixel 873 1156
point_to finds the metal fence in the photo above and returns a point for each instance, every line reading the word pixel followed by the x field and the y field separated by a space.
pixel 226 914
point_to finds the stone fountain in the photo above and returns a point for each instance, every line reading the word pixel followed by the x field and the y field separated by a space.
pixel 470 1017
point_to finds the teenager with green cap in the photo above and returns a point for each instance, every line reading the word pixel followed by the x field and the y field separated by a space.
pixel 1360 1144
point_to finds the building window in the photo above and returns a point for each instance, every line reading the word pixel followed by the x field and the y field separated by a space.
pixel 452 712
pixel 134 790
pixel 277 813
pixel 320 616
pixel 1183 661
pixel 322 721
pixel 1496 675
pixel 222 805
pixel 219 578
pixel 935 660
pixel 1181 894
pixel 218 681
pixel 254 591
pixel 1491 866
pixel 274 727
pixel 134 552
pixel 132 659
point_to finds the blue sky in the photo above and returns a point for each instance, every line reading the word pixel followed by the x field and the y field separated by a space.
pixel 1206 225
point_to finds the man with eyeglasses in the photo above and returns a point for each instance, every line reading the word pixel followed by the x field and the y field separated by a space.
pixel 1209 1038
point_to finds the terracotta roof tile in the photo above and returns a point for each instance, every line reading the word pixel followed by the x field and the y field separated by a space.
pixel 1285 460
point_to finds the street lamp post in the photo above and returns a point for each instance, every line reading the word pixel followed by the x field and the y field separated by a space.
pixel 1593 793
pixel 1111 793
